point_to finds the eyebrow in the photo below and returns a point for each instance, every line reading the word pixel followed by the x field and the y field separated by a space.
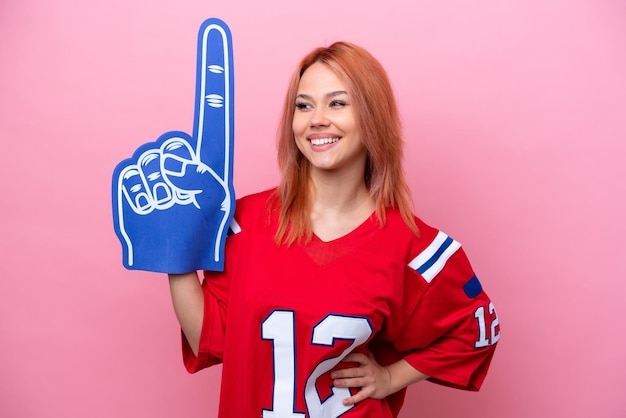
pixel 328 96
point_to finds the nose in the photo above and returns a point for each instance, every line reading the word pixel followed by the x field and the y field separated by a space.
pixel 319 117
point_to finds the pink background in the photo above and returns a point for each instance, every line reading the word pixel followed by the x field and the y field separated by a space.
pixel 515 123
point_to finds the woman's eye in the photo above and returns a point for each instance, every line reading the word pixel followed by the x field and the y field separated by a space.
pixel 337 103
pixel 302 106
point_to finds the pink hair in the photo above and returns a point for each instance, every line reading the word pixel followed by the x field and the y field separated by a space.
pixel 381 133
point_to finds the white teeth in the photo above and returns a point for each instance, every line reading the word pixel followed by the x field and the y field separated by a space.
pixel 324 141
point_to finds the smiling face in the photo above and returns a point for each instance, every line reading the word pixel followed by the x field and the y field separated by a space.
pixel 325 125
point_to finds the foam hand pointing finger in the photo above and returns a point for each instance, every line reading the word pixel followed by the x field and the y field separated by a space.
pixel 173 200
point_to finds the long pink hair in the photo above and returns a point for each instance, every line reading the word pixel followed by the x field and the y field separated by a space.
pixel 381 133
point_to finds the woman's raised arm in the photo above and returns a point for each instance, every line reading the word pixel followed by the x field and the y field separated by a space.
pixel 188 301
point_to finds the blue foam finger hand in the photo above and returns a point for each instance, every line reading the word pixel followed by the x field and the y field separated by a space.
pixel 173 200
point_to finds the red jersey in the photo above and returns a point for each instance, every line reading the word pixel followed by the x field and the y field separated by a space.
pixel 280 318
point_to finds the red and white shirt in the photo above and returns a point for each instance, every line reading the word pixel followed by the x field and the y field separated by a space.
pixel 281 318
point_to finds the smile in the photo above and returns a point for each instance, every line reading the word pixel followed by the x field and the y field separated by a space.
pixel 324 141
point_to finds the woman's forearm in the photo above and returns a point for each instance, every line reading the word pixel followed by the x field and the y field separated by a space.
pixel 188 301
pixel 402 374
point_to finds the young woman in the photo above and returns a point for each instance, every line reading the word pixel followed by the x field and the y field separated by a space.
pixel 335 297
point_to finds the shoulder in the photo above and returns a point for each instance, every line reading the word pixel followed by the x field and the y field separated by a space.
pixel 251 209
pixel 258 198
pixel 255 200
pixel 395 225
pixel 441 260
pixel 425 251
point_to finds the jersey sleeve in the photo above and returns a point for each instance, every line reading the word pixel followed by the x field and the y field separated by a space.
pixel 453 330
pixel 215 287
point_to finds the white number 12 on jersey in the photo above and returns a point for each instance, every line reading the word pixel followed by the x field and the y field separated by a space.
pixel 279 327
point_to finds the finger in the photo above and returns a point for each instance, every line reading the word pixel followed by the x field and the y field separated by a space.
pixel 359 358
pixel 149 165
pixel 357 397
pixel 353 382
pixel 129 189
pixel 347 373
pixel 213 124
pixel 132 187
pixel 177 157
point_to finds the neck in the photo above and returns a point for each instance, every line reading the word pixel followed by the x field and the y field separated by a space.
pixel 341 202
pixel 338 191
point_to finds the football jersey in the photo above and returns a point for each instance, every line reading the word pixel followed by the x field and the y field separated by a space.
pixel 280 318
